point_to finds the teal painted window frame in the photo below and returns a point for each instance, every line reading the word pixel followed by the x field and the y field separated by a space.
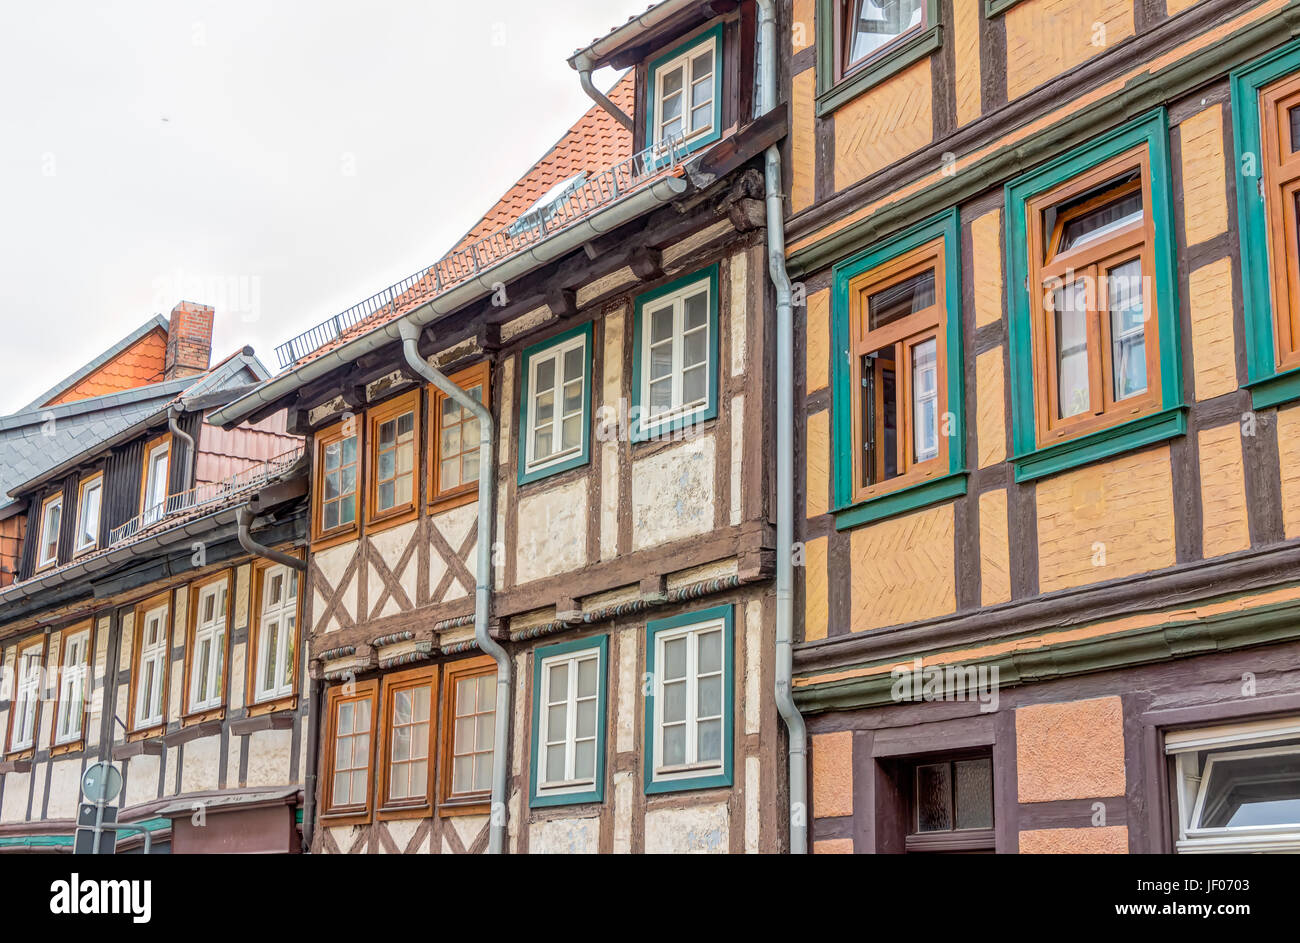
pixel 710 781
pixel 994 8
pixel 598 643
pixel 584 454
pixel 832 94
pixel 1030 461
pixel 848 513
pixel 652 104
pixel 1268 386
pixel 639 431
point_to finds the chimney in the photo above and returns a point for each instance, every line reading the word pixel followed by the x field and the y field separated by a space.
pixel 189 341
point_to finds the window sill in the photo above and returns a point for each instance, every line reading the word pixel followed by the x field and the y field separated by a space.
pixel 974 839
pixel 73 746
pixel 422 811
pixel 551 800
pixel 286 703
pixel 874 72
pixel 16 756
pixel 332 819
pixel 448 502
pixel 689 783
pixel 334 538
pixel 200 716
pixel 393 518
pixel 1104 443
pixel 1275 390
pixel 681 428
pixel 477 805
pixel 952 485
pixel 577 461
pixel 147 733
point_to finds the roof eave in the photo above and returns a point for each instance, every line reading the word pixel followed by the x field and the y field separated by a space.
pixel 601 51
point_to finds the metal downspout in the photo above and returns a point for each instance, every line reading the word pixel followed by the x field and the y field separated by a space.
pixel 483 575
pixel 244 519
pixel 583 64
pixel 176 430
pixel 784 447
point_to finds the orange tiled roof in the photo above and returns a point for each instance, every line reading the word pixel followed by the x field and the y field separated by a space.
pixel 597 141
pixel 139 365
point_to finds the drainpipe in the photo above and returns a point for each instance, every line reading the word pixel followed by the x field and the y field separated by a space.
pixel 252 547
pixel 172 413
pixel 483 586
pixel 582 63
pixel 784 447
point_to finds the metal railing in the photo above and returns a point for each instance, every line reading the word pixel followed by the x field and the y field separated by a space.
pixel 208 493
pixel 597 192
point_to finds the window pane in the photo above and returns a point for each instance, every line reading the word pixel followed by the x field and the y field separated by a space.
pixel 462 775
pixel 556 718
pixel 587 678
pixel 1254 791
pixel 974 793
pixel 710 696
pixel 709 748
pixel 675 658
pixel 672 81
pixel 702 117
pixel 573 364
pixel 674 706
pixel 546 374
pixel 925 401
pixel 661 324
pixel 555 765
pixel 584 760
pixel 874 23
pixel 586 723
pixel 572 431
pixel 898 301
pixel 674 745
pixel 933 798
pixel 1102 221
pixel 710 655
pixel 483 771
pixel 1071 303
pixel 702 65
pixel 1127 329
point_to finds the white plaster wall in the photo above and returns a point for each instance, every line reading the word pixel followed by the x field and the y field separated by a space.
pixel 202 766
pixel 673 493
pixel 564 837
pixel 65 789
pixel 702 829
pixel 270 754
pixel 552 531
pixel 17 788
pixel 333 562
pixel 141 779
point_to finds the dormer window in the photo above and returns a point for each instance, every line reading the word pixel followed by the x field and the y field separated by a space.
pixel 156 466
pixel 51 525
pixel 550 208
pixel 89 499
pixel 685 93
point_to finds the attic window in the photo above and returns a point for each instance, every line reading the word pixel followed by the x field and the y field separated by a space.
pixel 550 205
pixel 51 524
pixel 684 93
pixel 871 25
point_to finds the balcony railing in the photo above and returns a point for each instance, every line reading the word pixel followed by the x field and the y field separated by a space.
pixel 596 192
pixel 213 493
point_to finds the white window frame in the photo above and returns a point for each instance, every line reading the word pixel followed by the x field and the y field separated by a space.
pixel 27 697
pixel 156 655
pixel 569 744
pixel 154 504
pixel 556 353
pixel 677 300
pixel 683 61
pixel 50 504
pixel 212 631
pixel 73 675
pixel 284 616
pixel 1273 737
pixel 693 767
pixel 93 485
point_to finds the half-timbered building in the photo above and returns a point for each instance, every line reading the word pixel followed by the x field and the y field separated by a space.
pixel 1048 423
pixel 609 317
pixel 151 614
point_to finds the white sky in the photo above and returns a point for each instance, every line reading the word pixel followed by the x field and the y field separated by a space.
pixel 280 159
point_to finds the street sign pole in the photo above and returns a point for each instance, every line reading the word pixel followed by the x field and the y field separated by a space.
pixel 99 822
pixel 101 783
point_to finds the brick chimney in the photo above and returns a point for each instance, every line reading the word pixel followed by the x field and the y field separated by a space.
pixel 189 341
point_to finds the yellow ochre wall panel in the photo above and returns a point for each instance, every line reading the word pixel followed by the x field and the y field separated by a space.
pixel 903 569
pixel 1070 750
pixel 1214 362
pixel 1106 520
pixel 986 258
pixel 990 421
pixel 818 350
pixel 883 125
pixel 1046 38
pixel 1178 6
pixel 1225 526
pixel 995 550
pixel 1205 188
pixel 832 769
pixel 818 463
pixel 1288 448
pixel 815 611
pixel 967 15
pixel 1098 840
pixel 803 140
pixel 803 25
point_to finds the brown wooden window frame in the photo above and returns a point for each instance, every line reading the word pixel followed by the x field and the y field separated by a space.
pixel 1281 180
pixel 393 684
pixel 21 648
pixel 290 700
pixel 72 746
pixel 441 499
pixel 465 803
pixel 1050 268
pixel 189 714
pixel 408 402
pixel 344 429
pixel 903 336
pixel 77 549
pixel 963 840
pixel 163 599
pixel 41 563
pixel 149 447
pixel 355 813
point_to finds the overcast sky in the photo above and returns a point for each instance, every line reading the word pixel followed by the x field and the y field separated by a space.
pixel 281 160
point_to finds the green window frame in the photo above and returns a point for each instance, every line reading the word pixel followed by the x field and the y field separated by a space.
pixel 539 796
pixel 681 287
pixel 1268 386
pixel 531 354
pixel 1170 419
pixel 655 630
pixel 652 91
pixel 831 94
pixel 945 226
